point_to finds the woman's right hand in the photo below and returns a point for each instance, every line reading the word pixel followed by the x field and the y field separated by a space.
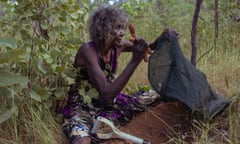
pixel 139 48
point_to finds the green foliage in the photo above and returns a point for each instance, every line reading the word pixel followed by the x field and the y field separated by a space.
pixel 39 39
pixel 9 79
pixel 47 35
pixel 135 8
pixel 8 114
pixel 7 41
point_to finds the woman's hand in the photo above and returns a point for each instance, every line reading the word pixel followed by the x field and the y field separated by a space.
pixel 165 35
pixel 172 31
pixel 132 30
pixel 139 48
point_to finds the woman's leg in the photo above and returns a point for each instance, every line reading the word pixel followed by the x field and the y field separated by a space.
pixel 82 140
pixel 77 130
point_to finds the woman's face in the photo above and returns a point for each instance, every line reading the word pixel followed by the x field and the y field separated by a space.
pixel 118 33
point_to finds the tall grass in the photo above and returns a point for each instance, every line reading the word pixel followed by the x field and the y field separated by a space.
pixel 31 125
pixel 35 125
pixel 220 63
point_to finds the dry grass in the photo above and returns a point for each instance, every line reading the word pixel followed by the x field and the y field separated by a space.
pixel 220 63
pixel 221 66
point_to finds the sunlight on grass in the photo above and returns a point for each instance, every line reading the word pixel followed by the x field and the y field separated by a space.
pixel 220 63
pixel 32 125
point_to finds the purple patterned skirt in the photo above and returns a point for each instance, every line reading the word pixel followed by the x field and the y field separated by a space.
pixel 78 122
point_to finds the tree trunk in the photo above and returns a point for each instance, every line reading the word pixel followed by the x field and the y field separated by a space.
pixel 216 22
pixel 193 33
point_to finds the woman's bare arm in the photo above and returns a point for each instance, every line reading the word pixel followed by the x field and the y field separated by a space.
pixel 108 91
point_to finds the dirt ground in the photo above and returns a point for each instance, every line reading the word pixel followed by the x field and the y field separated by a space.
pixel 160 124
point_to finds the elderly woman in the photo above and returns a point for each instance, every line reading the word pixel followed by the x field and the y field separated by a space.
pixel 96 91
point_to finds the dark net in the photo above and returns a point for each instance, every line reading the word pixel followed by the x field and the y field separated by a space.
pixel 176 79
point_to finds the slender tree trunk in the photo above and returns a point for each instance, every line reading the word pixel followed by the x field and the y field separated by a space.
pixel 193 33
pixel 216 22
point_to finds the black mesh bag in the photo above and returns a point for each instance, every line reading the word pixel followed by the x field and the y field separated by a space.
pixel 176 79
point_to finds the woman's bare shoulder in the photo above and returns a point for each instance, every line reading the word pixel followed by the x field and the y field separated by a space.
pixel 85 54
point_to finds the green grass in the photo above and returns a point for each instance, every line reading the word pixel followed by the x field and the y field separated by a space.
pixel 220 63
pixel 33 124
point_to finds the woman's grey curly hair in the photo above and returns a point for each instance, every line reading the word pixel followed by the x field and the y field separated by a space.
pixel 102 23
